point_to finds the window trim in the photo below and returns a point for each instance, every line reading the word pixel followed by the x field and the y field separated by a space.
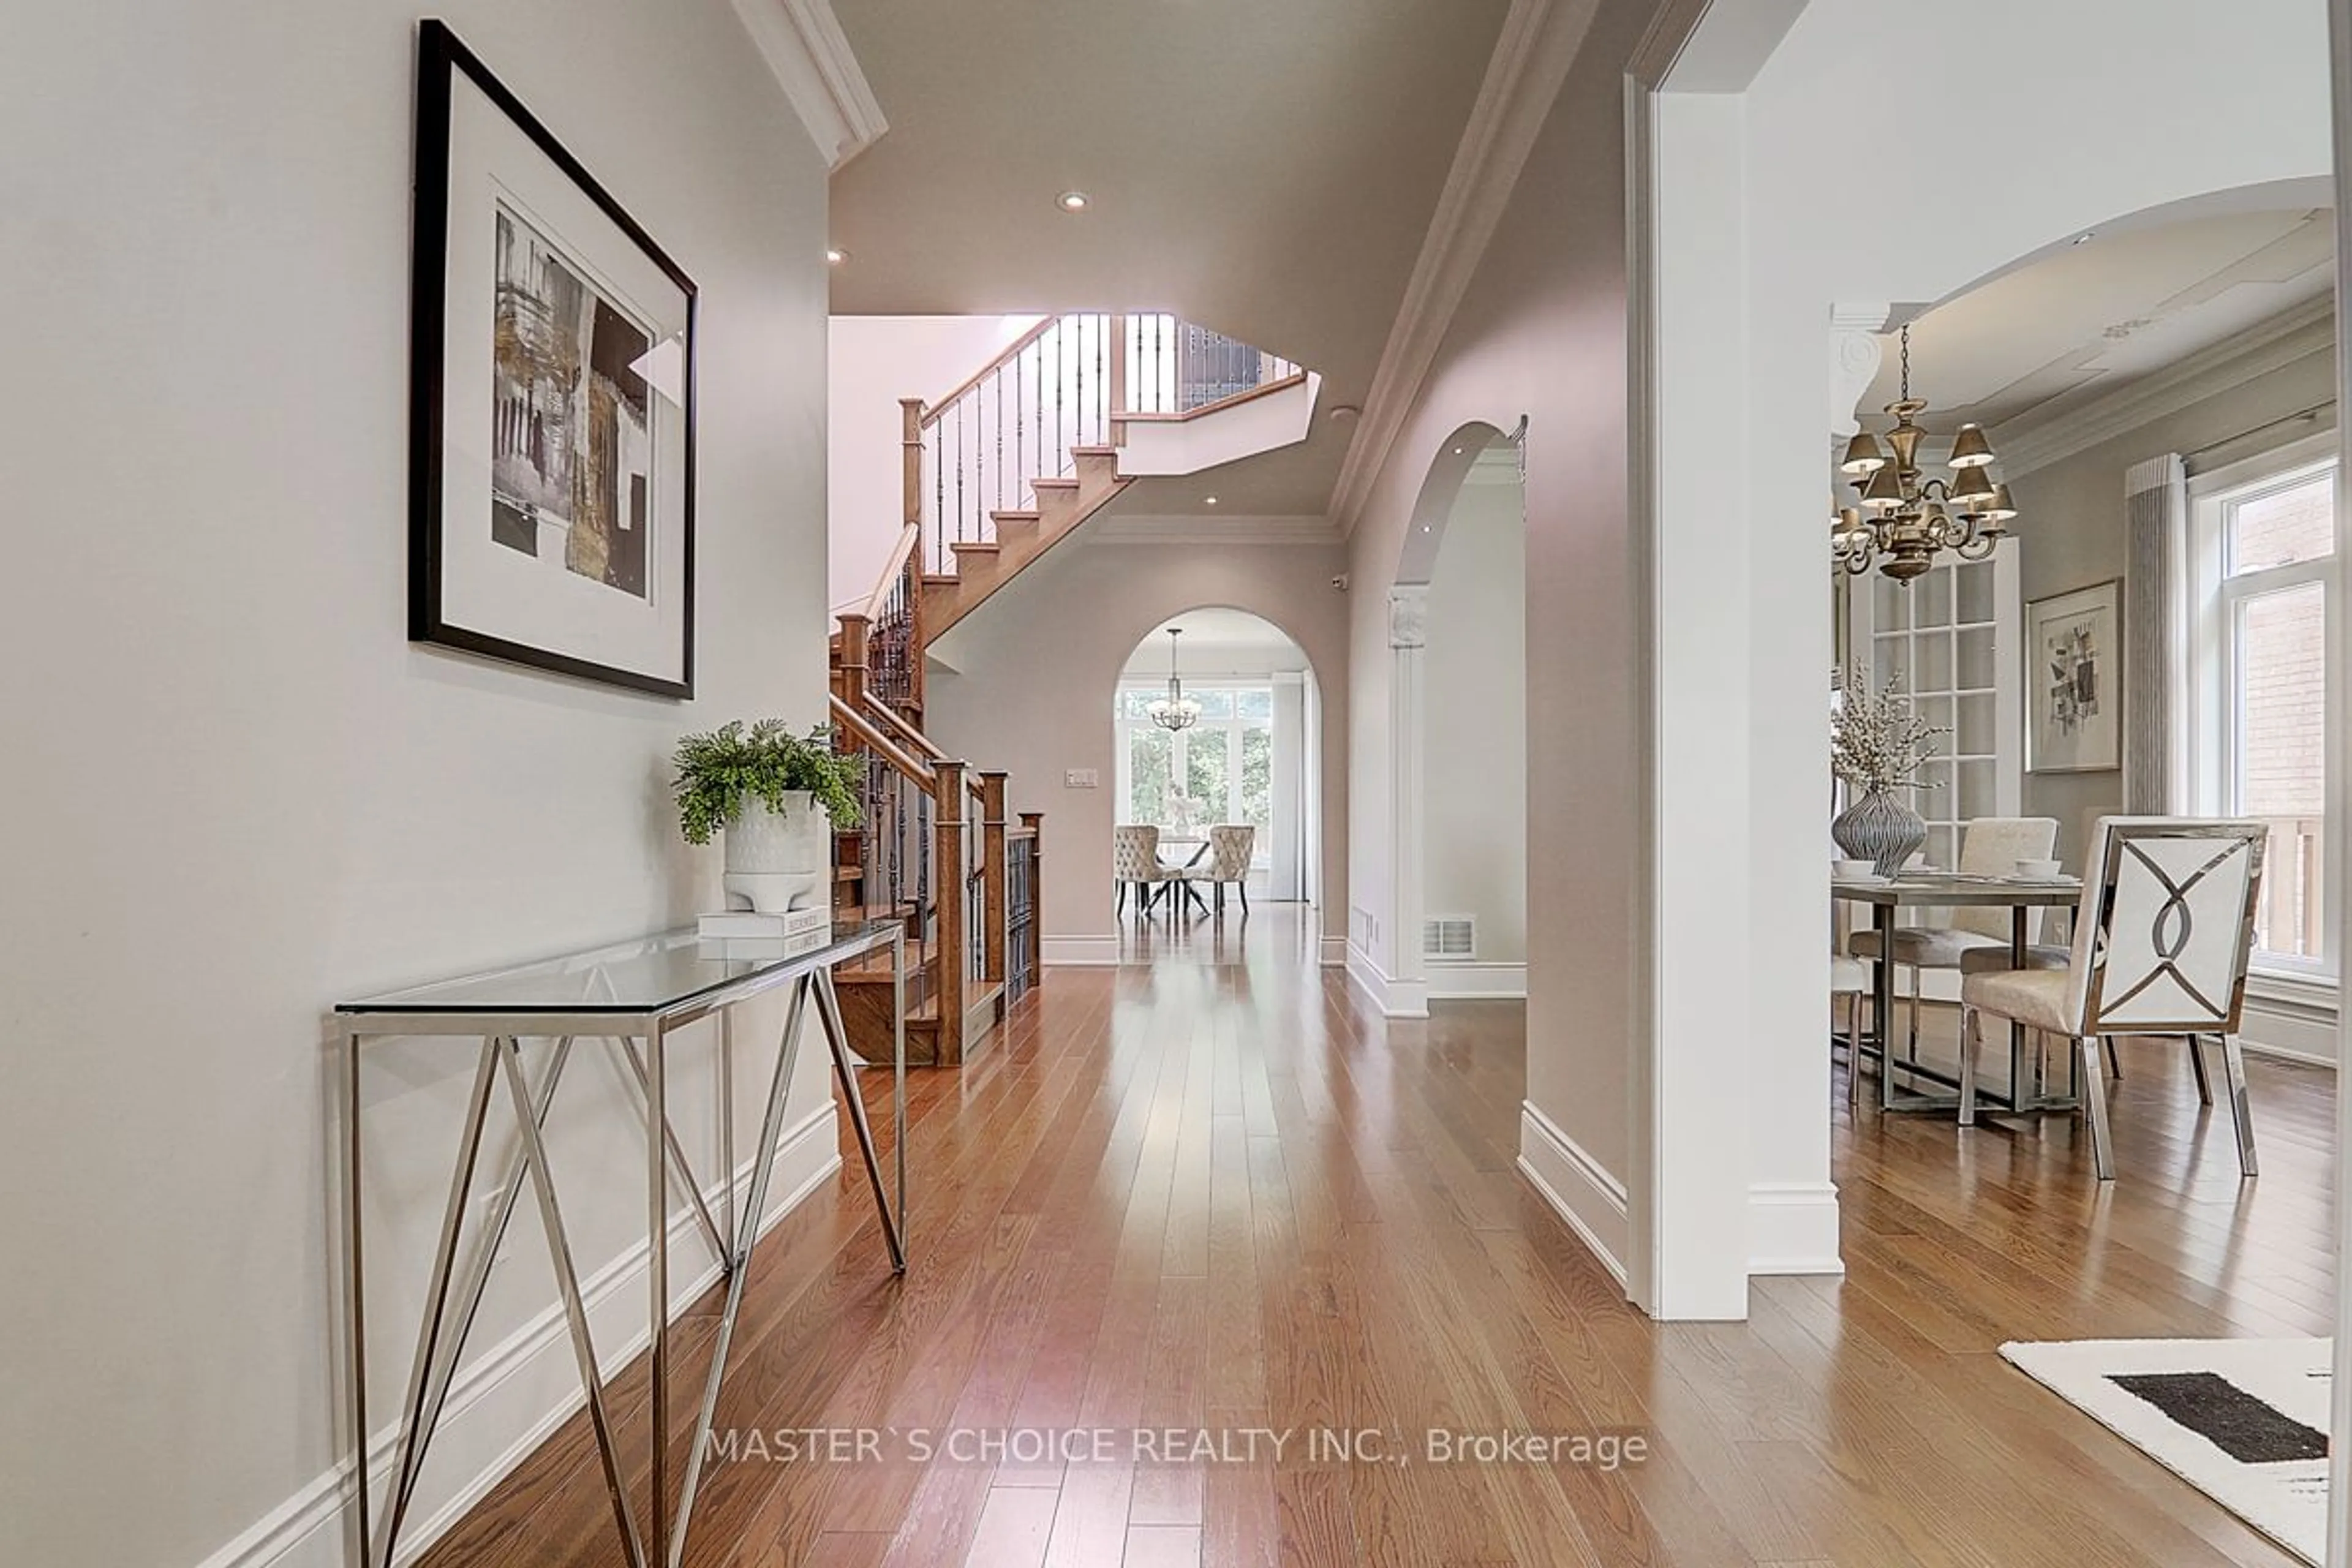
pixel 2209 603
pixel 1124 726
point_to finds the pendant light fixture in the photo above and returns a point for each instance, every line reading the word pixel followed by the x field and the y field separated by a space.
pixel 1907 519
pixel 1175 710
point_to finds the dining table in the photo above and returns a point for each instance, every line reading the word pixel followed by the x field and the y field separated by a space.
pixel 1950 889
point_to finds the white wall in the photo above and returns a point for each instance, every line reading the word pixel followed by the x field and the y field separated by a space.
pixel 2107 108
pixel 1475 766
pixel 1025 682
pixel 872 363
pixel 235 792
pixel 1542 333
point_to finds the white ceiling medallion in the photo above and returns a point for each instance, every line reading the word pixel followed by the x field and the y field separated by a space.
pixel 804 45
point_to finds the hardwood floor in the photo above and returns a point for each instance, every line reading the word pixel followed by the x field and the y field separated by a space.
pixel 1214 1192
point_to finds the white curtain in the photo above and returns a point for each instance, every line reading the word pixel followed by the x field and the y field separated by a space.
pixel 2156 529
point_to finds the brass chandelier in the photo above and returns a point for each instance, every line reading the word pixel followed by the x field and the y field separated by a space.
pixel 1907 518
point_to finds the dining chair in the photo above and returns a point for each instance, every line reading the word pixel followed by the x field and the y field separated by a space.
pixel 1135 860
pixel 1229 861
pixel 2163 934
pixel 1849 978
pixel 1990 846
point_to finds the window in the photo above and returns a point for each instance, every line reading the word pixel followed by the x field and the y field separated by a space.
pixel 2265 556
pixel 1950 638
pixel 1224 763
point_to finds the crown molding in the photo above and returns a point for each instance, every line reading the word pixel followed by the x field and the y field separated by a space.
pixel 804 45
pixel 1538 43
pixel 1189 530
pixel 2052 433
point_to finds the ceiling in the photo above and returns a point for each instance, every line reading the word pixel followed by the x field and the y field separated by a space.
pixel 1268 170
pixel 2104 313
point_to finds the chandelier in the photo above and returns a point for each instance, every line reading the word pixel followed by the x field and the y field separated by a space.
pixel 1906 519
pixel 1175 710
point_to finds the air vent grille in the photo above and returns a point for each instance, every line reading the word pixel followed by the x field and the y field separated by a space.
pixel 1449 936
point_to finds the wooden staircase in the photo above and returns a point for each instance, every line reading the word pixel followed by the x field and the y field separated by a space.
pixel 994 476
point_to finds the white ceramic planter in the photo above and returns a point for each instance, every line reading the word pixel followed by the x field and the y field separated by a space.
pixel 777 860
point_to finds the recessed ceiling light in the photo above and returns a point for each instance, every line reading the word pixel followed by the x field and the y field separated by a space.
pixel 1209 501
pixel 2087 235
pixel 1071 201
pixel 1458 451
pixel 1345 411
pixel 834 256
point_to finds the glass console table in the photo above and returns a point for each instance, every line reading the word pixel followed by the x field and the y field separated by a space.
pixel 637 995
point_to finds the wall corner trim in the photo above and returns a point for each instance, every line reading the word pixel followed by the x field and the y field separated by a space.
pixel 1530 63
pixel 1392 997
pixel 1793 1228
pixel 1583 1193
pixel 804 45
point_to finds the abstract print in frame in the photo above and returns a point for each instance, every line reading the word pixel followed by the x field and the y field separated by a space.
pixel 551 420
pixel 2073 681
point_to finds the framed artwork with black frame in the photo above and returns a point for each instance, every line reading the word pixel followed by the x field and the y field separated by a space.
pixel 551 401
pixel 2073 681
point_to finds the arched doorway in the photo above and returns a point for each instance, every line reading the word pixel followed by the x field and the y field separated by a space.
pixel 1458 728
pixel 1250 756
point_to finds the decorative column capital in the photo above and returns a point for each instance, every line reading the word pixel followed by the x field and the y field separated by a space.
pixel 1408 615
pixel 1854 355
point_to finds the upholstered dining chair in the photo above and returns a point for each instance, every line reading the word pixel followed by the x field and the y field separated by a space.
pixel 1229 861
pixel 1135 860
pixel 2162 938
pixel 1990 846
pixel 1849 978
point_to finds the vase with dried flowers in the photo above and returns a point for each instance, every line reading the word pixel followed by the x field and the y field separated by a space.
pixel 1878 744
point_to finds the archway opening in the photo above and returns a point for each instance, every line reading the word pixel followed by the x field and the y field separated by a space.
pixel 1249 756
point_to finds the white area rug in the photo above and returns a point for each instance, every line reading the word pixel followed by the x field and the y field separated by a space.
pixel 2244 1421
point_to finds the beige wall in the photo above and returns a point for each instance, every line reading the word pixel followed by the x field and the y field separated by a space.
pixel 1542 333
pixel 235 792
pixel 2070 533
pixel 1473 737
pixel 1025 682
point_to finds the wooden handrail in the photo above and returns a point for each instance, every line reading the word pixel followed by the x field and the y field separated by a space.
pixel 908 537
pixel 891 717
pixel 889 751
pixel 1233 400
pixel 931 411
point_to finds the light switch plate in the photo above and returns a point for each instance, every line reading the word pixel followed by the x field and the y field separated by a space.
pixel 1081 778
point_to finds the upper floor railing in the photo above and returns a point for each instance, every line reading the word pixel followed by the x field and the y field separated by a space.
pixel 1071 382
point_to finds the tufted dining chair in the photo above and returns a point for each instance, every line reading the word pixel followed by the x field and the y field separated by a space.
pixel 1990 846
pixel 2162 938
pixel 1229 861
pixel 1135 860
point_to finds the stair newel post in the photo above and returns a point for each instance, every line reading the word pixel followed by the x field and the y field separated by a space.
pixel 949 900
pixel 856 640
pixel 1034 821
pixel 910 463
pixel 995 898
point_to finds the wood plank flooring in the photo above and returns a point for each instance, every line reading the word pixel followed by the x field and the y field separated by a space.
pixel 1213 1191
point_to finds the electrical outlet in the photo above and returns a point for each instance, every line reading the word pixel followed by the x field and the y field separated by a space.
pixel 1081 778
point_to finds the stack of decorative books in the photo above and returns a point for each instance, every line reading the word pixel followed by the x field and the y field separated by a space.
pixel 751 935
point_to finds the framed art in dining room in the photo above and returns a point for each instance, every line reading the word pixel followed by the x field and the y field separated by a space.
pixel 551 401
pixel 2074 681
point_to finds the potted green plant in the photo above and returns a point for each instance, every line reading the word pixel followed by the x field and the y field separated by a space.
pixel 767 790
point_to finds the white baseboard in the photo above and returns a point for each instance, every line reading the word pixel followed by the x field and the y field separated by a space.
pixel 1793 1230
pixel 2294 1029
pixel 1590 1200
pixel 1092 951
pixel 1461 982
pixel 1335 952
pixel 509 1399
pixel 1392 997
